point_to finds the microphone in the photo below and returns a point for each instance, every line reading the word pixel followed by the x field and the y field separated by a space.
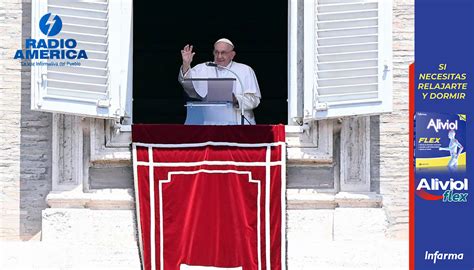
pixel 213 64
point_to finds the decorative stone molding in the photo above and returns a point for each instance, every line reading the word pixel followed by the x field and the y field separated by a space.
pixel 313 199
pixel 355 154
pixel 67 149
pixel 358 200
pixel 309 199
pixel 109 144
pixel 111 199
pixel 311 143
pixel 71 165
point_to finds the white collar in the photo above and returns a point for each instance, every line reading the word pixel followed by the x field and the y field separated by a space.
pixel 228 66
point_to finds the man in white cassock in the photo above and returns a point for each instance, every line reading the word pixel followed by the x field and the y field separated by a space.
pixel 248 97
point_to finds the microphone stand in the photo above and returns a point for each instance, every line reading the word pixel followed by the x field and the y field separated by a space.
pixel 212 64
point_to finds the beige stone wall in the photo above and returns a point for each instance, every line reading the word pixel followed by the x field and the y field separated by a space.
pixel 25 136
pixel 394 126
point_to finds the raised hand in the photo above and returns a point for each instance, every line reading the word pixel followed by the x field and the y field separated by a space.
pixel 187 54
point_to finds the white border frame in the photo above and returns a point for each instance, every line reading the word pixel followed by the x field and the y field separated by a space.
pixel 192 267
pixel 293 97
pixel 250 180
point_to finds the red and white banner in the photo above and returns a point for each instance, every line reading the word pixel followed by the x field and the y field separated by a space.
pixel 210 197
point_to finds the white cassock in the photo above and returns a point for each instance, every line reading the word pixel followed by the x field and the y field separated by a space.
pixel 249 97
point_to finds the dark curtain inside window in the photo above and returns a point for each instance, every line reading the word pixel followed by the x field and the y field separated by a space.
pixel 257 28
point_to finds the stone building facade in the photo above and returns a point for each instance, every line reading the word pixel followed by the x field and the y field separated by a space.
pixel 54 192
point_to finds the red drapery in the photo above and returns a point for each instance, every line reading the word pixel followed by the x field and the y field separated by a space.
pixel 214 196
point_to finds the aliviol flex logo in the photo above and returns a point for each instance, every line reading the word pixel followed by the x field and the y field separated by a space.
pixel 448 191
pixel 50 25
pixel 438 124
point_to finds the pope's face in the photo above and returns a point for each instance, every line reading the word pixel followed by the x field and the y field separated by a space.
pixel 223 53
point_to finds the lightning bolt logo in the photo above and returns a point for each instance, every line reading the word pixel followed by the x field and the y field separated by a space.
pixel 50 24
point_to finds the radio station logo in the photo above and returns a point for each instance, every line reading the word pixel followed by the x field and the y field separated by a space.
pixel 50 25
pixel 447 191
pixel 54 49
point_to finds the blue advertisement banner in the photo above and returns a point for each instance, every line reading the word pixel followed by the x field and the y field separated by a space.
pixel 442 207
